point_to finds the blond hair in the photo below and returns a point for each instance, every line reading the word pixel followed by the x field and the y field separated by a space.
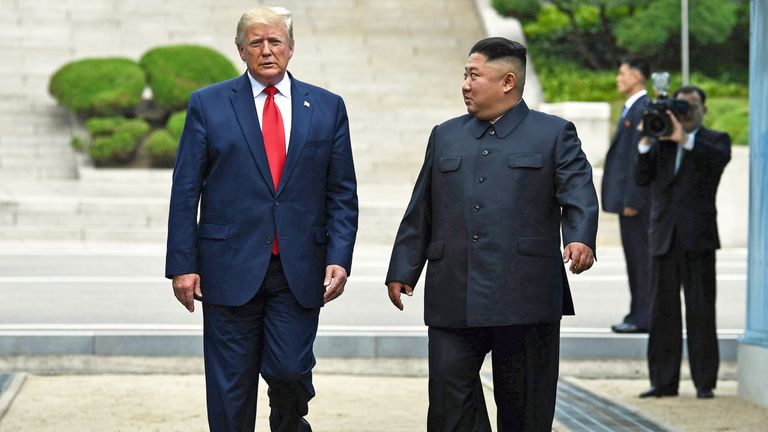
pixel 270 15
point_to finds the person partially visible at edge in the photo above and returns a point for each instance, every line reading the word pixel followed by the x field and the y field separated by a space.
pixel 683 171
pixel 268 160
pixel 496 187
pixel 621 195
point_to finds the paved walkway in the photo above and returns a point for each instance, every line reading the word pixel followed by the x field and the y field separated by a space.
pixel 167 394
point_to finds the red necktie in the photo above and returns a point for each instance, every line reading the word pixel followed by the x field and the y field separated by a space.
pixel 274 142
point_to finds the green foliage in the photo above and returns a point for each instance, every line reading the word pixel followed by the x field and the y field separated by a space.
pixel 162 147
pixel 79 142
pixel 520 9
pixel 710 23
pixel 115 139
pixel 175 124
pixel 729 115
pixel 568 82
pixel 104 86
pixel 597 34
pixel 174 72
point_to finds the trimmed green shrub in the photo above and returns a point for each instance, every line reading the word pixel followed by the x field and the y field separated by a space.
pixel 115 140
pixel 162 147
pixel 105 86
pixel 174 72
pixel 175 124
pixel 729 115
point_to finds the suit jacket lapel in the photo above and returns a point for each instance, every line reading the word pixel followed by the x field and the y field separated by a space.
pixel 301 116
pixel 245 110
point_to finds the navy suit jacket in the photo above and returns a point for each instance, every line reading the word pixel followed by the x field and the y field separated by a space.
pixel 619 189
pixel 486 212
pixel 222 166
pixel 684 203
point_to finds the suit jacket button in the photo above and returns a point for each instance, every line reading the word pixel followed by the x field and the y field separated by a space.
pixel 492 132
pixel 480 179
pixel 485 152
pixel 475 238
pixel 277 203
pixel 269 240
pixel 476 208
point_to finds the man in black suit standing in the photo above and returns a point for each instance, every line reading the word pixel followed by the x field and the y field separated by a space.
pixel 683 171
pixel 496 186
pixel 621 195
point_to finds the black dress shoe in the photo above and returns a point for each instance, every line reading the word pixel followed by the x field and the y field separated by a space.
pixel 625 327
pixel 658 392
pixel 704 394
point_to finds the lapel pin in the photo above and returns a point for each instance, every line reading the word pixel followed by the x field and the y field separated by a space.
pixel 306 104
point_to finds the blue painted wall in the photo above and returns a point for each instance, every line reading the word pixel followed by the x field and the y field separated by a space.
pixel 756 332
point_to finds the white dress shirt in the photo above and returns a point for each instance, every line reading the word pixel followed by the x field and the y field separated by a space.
pixel 631 101
pixel 282 100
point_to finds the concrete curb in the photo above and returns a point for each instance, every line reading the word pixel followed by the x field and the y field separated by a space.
pixel 331 342
pixel 7 396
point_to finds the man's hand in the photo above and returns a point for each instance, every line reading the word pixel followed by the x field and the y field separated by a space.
pixel 335 279
pixel 678 135
pixel 186 288
pixel 395 288
pixel 580 256
pixel 630 212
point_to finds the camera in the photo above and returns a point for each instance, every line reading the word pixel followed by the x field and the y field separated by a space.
pixel 656 122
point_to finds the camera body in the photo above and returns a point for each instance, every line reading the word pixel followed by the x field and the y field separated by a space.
pixel 656 122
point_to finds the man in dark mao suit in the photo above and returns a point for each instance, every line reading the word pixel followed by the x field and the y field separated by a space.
pixel 486 212
pixel 268 159
pixel 683 171
pixel 621 195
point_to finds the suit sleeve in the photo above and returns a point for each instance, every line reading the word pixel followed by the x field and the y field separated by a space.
pixel 188 175
pixel 645 166
pixel 575 190
pixel 713 151
pixel 341 196
pixel 409 253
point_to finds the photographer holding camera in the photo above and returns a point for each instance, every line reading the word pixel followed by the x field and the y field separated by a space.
pixel 682 162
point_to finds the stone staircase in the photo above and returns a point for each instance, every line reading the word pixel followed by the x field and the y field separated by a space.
pixel 397 63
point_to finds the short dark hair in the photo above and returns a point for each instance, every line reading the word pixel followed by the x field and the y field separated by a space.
pixel 639 63
pixel 691 89
pixel 498 47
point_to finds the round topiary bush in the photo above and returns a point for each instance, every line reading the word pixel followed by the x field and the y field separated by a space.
pixel 175 124
pixel 174 72
pixel 161 147
pixel 107 86
pixel 115 139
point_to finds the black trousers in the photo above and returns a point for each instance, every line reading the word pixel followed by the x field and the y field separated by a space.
pixel 696 272
pixel 525 370
pixel 634 240
pixel 271 335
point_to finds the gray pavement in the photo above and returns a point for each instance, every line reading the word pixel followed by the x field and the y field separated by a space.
pixel 76 393
pixel 100 298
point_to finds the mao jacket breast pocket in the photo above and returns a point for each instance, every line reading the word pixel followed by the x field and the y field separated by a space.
pixel 525 160
pixel 448 164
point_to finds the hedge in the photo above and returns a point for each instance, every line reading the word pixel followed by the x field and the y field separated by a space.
pixel 115 139
pixel 175 124
pixel 90 87
pixel 174 72
pixel 161 147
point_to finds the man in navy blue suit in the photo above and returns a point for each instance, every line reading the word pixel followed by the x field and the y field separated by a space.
pixel 622 196
pixel 267 158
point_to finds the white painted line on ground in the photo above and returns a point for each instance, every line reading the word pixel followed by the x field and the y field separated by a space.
pixel 352 279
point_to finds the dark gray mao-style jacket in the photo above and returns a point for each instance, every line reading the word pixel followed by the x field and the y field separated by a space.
pixel 486 213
